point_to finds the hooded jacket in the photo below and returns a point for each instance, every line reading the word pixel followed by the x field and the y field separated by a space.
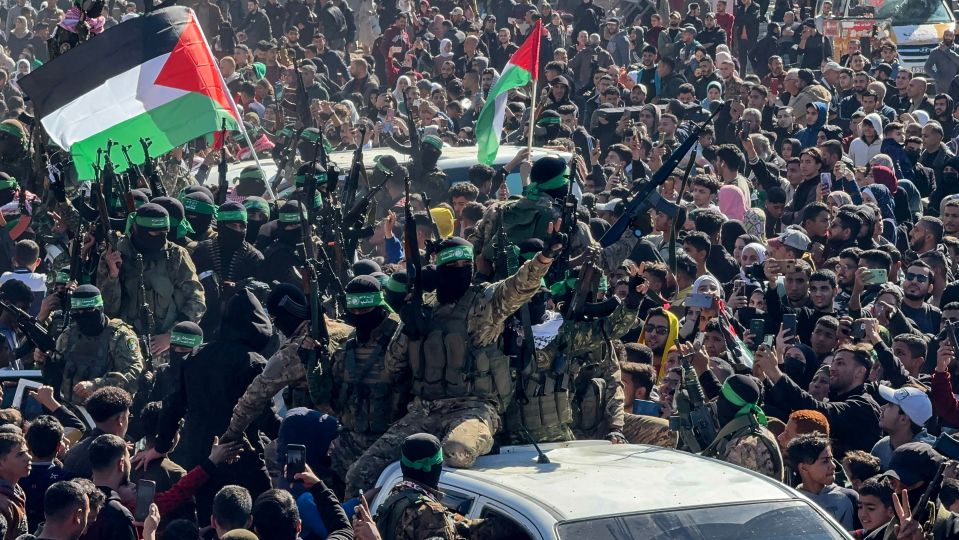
pixel 862 151
pixel 814 93
pixel 213 380
pixel 807 135
pixel 670 341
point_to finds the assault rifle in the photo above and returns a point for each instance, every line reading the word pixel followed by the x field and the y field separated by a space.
pixel 97 192
pixel 354 221
pixel 132 169
pixel 311 277
pixel 558 269
pixel 146 318
pixel 32 328
pixel 694 417
pixel 646 196
pixel 75 272
pixel 356 170
pixel 222 185
pixel 414 265
pixel 150 170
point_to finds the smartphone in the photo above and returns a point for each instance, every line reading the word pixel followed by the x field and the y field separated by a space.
pixel 146 491
pixel 295 460
pixel 790 323
pixel 787 266
pixel 769 341
pixel 757 327
pixel 698 300
pixel 859 329
pixel 390 115
pixel 873 276
pixel 826 180
pixel 774 87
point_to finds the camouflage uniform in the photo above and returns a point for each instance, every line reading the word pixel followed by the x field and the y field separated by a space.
pixel 174 177
pixel 284 368
pixel 173 290
pixel 745 443
pixel 414 512
pixel 362 394
pixel 464 412
pixel 641 429
pixel 598 399
pixel 547 412
pixel 524 219
pixel 111 359
pixel 435 184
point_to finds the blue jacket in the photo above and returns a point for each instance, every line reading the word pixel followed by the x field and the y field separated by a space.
pixel 807 135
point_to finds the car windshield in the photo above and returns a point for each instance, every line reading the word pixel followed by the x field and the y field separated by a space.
pixel 781 520
pixel 911 12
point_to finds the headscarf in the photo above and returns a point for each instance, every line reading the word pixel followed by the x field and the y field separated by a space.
pixel 841 198
pixel 755 222
pixel 397 93
pixel 704 280
pixel 733 202
pixel 880 193
pixel 884 175
pixel 760 252
pixel 354 116
pixel 881 159
pixel 670 340
pixel 446 48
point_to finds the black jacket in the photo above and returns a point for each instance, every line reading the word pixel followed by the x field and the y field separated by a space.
pixel 747 17
pixel 114 522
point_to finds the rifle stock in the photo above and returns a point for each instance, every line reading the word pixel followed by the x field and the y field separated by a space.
pixel 32 328
pixel 222 185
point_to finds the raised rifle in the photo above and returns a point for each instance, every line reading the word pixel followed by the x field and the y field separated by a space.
pixel 76 271
pixel 694 417
pixel 414 265
pixel 436 237
pixel 354 221
pixel 321 262
pixel 646 195
pixel 109 177
pixel 356 170
pixel 31 328
pixel 150 170
pixel 97 192
pixel 311 277
pixel 146 318
pixel 416 167
pixel 222 185
pixel 558 269
pixel 132 168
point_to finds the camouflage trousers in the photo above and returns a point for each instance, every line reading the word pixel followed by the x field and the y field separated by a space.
pixel 641 429
pixel 465 426
pixel 552 434
pixel 347 448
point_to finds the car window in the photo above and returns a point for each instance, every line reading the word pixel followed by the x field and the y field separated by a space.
pixel 497 524
pixel 781 520
pixel 460 502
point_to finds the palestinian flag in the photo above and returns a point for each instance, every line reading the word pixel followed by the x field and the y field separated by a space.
pixel 522 68
pixel 152 76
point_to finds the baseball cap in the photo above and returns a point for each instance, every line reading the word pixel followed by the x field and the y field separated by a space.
pixel 794 238
pixel 616 206
pixel 913 401
pixel 914 462
pixel 832 66
pixel 690 28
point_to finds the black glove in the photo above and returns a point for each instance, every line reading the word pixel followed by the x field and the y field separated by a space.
pixel 412 320
pixel 633 297
pixel 554 245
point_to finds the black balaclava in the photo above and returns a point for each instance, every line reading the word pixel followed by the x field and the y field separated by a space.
pixel 290 213
pixel 307 144
pixel 452 282
pixel 366 267
pixel 253 225
pixel 364 292
pixel 86 309
pixel 150 217
pixel 184 334
pixel 430 153
pixel 746 388
pixel 199 209
pixel 179 226
pixel 545 174
pixel 421 459
pixel 395 290
pixel 289 308
pixel 229 239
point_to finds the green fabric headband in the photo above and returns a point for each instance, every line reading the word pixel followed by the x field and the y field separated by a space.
pixel 546 120
pixel 253 174
pixel 534 190
pixel 90 302
pixel 745 406
pixel 365 300
pixel 425 464
pixel 301 179
pixel 561 288
pixel 198 206
pixel 62 277
pixel 8 184
pixel 185 340
pixel 527 255
pixel 11 129
pixel 153 222
pixel 433 141
pixel 232 215
pixel 253 204
pixel 394 285
pixel 289 217
pixel 181 227
pixel 456 253
pixel 379 166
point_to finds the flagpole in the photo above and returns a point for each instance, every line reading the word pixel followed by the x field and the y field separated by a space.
pixel 535 34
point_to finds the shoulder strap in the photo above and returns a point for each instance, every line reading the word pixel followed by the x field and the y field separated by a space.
pixel 389 513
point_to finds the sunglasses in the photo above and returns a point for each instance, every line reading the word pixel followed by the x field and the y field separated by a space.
pixel 918 278
pixel 661 330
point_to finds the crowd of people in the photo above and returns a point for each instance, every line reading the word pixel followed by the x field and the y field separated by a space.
pixel 727 202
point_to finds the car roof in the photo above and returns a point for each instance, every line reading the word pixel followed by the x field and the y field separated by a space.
pixel 595 478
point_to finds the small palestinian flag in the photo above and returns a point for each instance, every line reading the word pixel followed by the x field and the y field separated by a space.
pixel 152 76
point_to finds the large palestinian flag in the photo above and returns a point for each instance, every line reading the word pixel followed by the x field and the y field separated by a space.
pixel 152 76
pixel 522 68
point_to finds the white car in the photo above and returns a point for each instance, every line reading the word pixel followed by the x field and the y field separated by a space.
pixel 593 490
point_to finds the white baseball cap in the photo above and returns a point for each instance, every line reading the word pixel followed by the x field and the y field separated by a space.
pixel 913 401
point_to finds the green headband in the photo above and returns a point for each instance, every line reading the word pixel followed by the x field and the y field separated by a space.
pixel 364 300
pixel 289 217
pixel 379 166
pixel 198 206
pixel 162 222
pixel 255 174
pixel 181 227
pixel 433 141
pixel 185 340
pixel 562 288
pixel 232 215
pixel 253 204
pixel 527 255
pixel 62 277
pixel 9 184
pixel 425 464
pixel 745 407
pixel 534 190
pixel 301 179
pixel 394 285
pixel 89 302
pixel 455 253
pixel 547 120
pixel 11 130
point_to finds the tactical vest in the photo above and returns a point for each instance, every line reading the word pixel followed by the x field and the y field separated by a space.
pixel 445 365
pixel 86 358
pixel 389 513
pixel 738 428
pixel 158 275
pixel 545 403
pixel 522 220
pixel 589 394
pixel 365 399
